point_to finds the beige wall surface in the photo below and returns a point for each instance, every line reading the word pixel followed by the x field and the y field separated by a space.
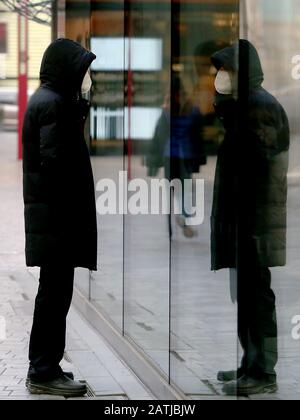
pixel 39 37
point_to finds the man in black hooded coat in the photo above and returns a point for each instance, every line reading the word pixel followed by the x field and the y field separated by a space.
pixel 60 210
pixel 249 211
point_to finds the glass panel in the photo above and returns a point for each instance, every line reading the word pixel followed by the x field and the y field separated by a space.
pixel 203 320
pixel 106 133
pixel 273 28
pixel 146 247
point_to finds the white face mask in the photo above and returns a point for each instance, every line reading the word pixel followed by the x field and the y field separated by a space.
pixel 223 83
pixel 86 83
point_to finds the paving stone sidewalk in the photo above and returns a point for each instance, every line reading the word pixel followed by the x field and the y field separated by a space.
pixel 106 376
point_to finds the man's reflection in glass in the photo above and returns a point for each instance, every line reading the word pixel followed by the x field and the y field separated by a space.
pixel 249 209
pixel 177 145
pixel 204 91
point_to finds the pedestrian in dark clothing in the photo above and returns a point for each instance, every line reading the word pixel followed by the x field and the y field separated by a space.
pixel 249 209
pixel 60 210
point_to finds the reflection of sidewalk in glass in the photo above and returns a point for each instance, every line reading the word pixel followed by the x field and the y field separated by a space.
pixel 295 174
pixel 203 320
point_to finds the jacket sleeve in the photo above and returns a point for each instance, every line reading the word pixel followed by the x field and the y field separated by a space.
pixel 263 188
pixel 51 139
pixel 52 149
pixel 268 131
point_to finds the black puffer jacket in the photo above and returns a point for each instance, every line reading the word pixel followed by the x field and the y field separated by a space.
pixel 60 211
pixel 250 194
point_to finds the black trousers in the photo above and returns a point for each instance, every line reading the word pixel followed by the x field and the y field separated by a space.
pixel 257 321
pixel 48 335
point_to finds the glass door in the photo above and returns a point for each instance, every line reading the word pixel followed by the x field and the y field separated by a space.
pixel 146 234
pixel 203 319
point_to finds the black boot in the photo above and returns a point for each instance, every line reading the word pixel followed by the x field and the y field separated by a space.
pixel 231 375
pixel 69 375
pixel 61 386
pixel 246 385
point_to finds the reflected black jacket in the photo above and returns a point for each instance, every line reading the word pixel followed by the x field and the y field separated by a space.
pixel 248 223
pixel 60 211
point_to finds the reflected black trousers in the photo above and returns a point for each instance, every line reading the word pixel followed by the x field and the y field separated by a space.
pixel 257 321
pixel 48 334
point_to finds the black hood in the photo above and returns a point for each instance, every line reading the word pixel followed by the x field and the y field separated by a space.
pixel 64 65
pixel 241 57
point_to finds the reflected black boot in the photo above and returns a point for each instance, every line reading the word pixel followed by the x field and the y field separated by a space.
pixel 231 375
pixel 246 385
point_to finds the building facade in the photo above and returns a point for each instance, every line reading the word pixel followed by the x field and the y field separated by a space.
pixel 38 38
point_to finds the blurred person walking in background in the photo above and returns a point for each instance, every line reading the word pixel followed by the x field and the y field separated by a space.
pixel 177 145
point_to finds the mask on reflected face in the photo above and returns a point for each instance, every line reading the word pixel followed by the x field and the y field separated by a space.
pixel 86 84
pixel 223 83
